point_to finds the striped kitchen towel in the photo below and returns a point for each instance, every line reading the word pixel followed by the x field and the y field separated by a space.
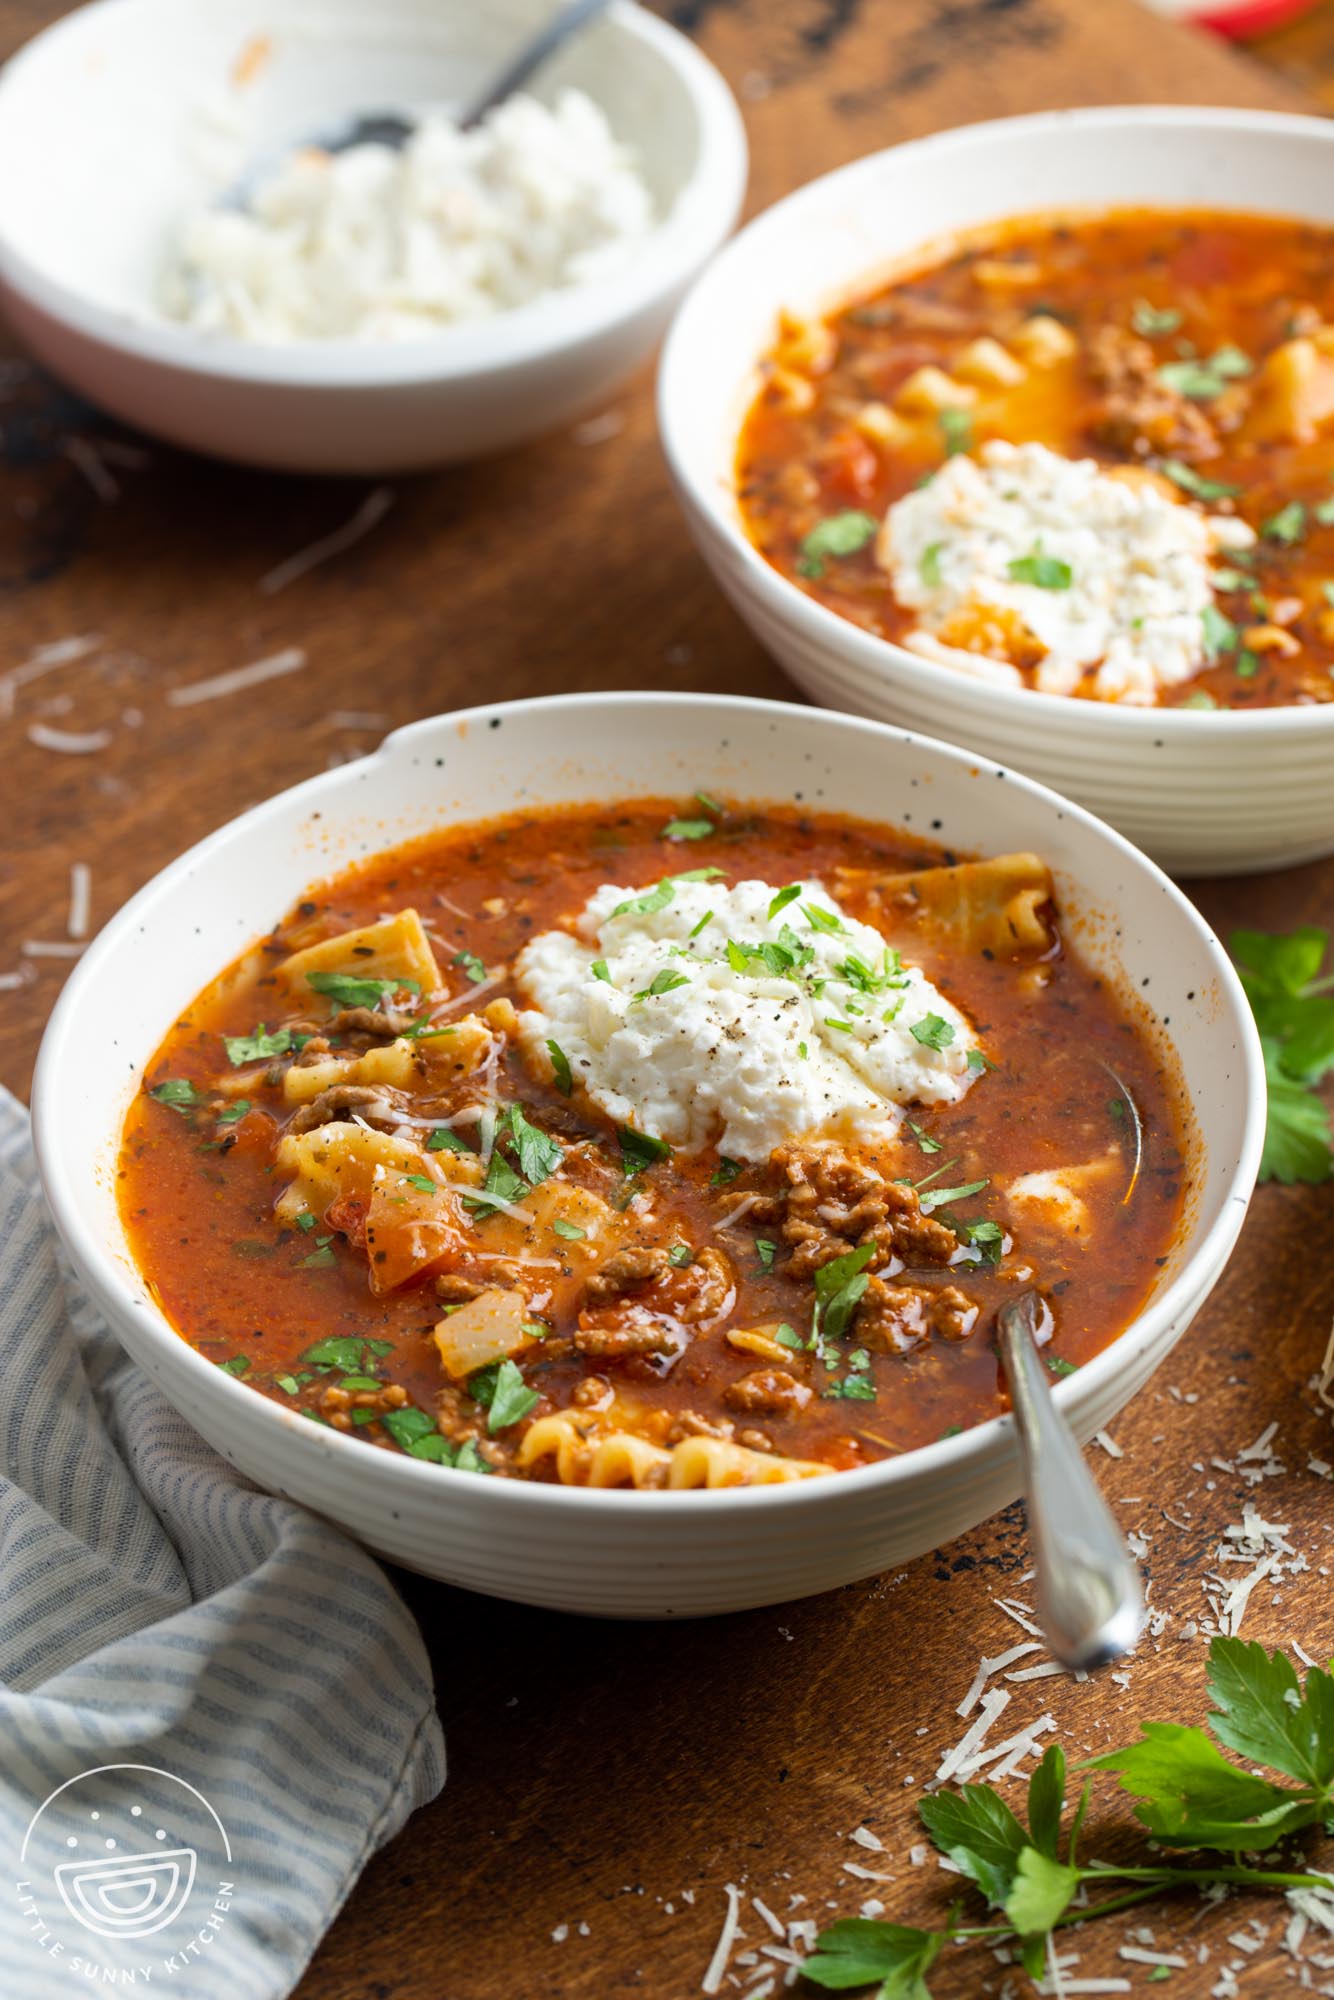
pixel 213 1707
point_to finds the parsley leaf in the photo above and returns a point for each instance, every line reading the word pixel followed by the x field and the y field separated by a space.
pixel 471 964
pixel 856 1951
pixel 1200 381
pixel 640 1150
pixel 980 1834
pixel 649 901
pixel 236 1366
pixel 539 1154
pixel 501 1185
pixel 1260 1713
pixel 341 1351
pixel 930 564
pixel 179 1093
pixel 1220 634
pixel 839 1287
pixel 837 535
pixel 1295 1016
pixel 347 991
pixel 932 1031
pixel 783 898
pixel 1047 572
pixel 442 1140
pixel 1190 481
pixel 569 1230
pixel 956 431
pixel 688 829
pixel 1151 322
pixel 253 1048
pixel 511 1398
pixel 1041 1893
pixel 662 982
pixel 1191 1796
pixel 1287 526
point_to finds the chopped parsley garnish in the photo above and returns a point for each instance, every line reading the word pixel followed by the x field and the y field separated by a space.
pixel 1190 481
pixel 511 1399
pixel 289 1384
pixel 1197 698
pixel 501 1187
pixel 442 1140
pixel 1248 664
pixel 1153 322
pixel 930 564
pixel 569 1230
pixel 787 1336
pixel 538 1153
pixel 234 1112
pixel 236 1366
pixel 1294 1011
pixel 1324 512
pixel 345 990
pixel 823 920
pixel 1231 579
pixel 662 982
pixel 939 1197
pixel 956 431
pixel 471 964
pixel 422 1182
pixel 1058 1366
pixel 342 1351
pixel 178 1092
pixel 710 805
pixel 1220 634
pixel 839 1287
pixel 640 1150
pixel 986 1237
pixel 416 1434
pixel 657 898
pixel 321 1257
pixel 783 898
pixel 976 1062
pixel 725 1171
pixel 599 970
pixel 837 535
pixel 1200 381
pixel 1047 572
pixel 305 1220
pixel 1287 526
pixel 254 1048
pixel 688 829
pixel 932 1031
pixel 702 925
pixel 680 1255
pixel 851 1388
pixel 766 1251
pixel 924 1139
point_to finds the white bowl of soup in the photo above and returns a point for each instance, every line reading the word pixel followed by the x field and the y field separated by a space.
pixel 133 132
pixel 581 1148
pixel 1023 435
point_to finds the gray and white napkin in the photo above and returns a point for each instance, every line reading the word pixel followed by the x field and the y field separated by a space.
pixel 213 1707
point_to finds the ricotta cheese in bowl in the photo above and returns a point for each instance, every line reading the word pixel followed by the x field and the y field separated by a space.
pixel 1084 567
pixel 380 243
pixel 742 1017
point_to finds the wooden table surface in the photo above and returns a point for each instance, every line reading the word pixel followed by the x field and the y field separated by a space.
pixel 610 1779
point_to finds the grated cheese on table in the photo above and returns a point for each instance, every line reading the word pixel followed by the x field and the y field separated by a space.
pixel 368 515
pixel 237 678
pixel 1127 622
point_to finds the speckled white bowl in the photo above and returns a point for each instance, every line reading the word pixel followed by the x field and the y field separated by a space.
pixel 618 1554
pixel 1204 793
pixel 122 118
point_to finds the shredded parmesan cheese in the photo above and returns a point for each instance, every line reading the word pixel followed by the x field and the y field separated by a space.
pixel 268 669
pixel 80 899
pixel 368 515
pixel 69 742
pixel 722 1951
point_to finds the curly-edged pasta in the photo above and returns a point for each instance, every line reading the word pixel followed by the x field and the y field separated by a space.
pixel 587 1454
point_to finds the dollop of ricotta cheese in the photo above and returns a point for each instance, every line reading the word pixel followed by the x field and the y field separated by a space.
pixel 1105 571
pixel 739 1017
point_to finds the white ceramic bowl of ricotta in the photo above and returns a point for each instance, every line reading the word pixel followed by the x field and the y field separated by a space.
pixel 127 116
pixel 1203 792
pixel 628 1554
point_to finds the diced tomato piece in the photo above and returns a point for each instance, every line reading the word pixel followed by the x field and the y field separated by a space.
pixel 851 466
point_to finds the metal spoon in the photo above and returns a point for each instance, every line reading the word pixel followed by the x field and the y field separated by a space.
pixel 393 129
pixel 1088 1591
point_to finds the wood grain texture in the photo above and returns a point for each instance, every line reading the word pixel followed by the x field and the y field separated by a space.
pixel 608 1777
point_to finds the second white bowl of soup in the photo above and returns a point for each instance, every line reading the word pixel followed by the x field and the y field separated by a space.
pixel 683 1132
pixel 1056 486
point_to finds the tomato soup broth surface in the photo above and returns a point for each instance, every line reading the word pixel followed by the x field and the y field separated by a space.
pixel 670 1316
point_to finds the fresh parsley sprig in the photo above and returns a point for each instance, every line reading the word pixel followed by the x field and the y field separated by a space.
pixel 1293 1004
pixel 1190 1796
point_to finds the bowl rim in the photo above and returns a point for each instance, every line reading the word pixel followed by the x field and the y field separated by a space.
pixel 981 1442
pixel 700 218
pixel 824 629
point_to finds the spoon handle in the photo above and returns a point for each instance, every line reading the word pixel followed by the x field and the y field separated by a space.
pixel 530 57
pixel 1088 1591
